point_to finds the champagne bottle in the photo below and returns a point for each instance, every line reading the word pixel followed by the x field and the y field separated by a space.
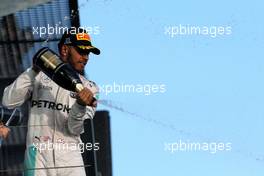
pixel 61 73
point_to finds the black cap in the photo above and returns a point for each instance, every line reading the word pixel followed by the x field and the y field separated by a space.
pixel 79 38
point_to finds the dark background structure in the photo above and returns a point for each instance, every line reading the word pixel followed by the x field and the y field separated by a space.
pixel 18 43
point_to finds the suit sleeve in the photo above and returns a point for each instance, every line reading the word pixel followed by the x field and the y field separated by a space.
pixel 77 116
pixel 79 113
pixel 20 90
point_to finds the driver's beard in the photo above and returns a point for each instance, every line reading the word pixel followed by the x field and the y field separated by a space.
pixel 69 61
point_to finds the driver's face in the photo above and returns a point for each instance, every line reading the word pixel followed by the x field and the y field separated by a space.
pixel 76 59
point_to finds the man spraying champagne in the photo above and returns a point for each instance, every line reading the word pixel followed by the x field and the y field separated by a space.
pixel 58 110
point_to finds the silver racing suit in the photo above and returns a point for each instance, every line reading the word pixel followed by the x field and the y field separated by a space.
pixel 54 126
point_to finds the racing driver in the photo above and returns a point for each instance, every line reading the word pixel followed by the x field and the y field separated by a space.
pixel 56 114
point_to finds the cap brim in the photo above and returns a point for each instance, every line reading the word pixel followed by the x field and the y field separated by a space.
pixel 89 49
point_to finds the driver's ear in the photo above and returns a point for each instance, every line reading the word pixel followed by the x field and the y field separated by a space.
pixel 64 51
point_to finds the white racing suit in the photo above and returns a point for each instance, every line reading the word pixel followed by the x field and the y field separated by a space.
pixel 54 126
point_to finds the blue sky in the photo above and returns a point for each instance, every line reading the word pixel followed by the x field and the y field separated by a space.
pixel 214 86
